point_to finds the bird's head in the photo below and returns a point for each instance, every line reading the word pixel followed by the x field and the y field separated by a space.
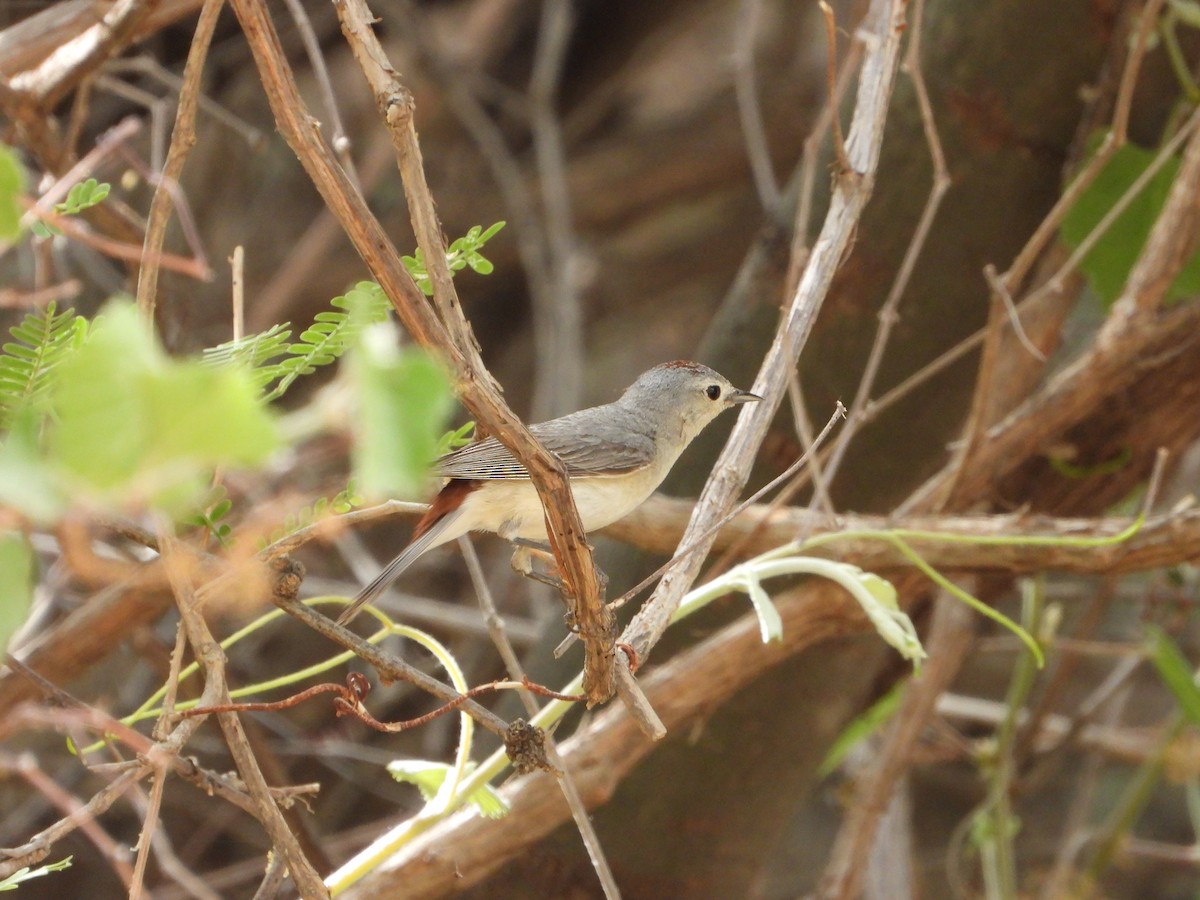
pixel 683 397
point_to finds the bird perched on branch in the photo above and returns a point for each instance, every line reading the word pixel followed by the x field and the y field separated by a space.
pixel 616 455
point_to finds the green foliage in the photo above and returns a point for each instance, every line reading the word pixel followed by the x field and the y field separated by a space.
pixel 340 503
pixel 270 357
pixel 430 776
pixel 16 583
pixel 1176 673
pixel 83 196
pixel 404 400
pixel 27 481
pixel 27 363
pixel 12 182
pixel 461 254
pixel 213 510
pixel 13 881
pixel 253 354
pixel 1108 263
pixel 452 440
pixel 129 422
pixel 862 727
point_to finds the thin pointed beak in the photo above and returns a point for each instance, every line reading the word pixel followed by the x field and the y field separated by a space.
pixel 743 397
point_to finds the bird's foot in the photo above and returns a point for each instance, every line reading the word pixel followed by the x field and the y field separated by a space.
pixel 527 551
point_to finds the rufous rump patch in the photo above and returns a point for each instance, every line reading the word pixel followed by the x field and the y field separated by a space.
pixel 449 498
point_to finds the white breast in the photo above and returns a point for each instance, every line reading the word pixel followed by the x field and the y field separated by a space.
pixel 511 508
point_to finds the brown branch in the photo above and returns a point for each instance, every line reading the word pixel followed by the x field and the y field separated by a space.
pixel 27 43
pixel 183 138
pixel 1162 541
pixel 1118 359
pixel 117 856
pixel 212 659
pixel 66 66
pixel 948 644
pixel 38 847
pixel 600 756
pixel 389 667
pixel 80 231
pixel 884 24
pixel 450 339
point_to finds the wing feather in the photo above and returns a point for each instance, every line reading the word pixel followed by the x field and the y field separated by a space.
pixel 602 440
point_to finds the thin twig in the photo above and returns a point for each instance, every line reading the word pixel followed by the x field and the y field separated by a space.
pixel 1000 289
pixel 211 657
pixel 808 169
pixel 150 825
pixel 889 313
pixel 949 642
pixel 237 263
pixel 516 672
pixel 558 315
pixel 183 138
pixel 883 25
pixel 38 847
pixel 339 140
pixel 839 144
pixel 749 109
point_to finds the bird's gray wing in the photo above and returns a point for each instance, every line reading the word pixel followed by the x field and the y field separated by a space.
pixel 601 440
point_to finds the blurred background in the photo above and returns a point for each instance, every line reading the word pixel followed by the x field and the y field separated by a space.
pixel 649 161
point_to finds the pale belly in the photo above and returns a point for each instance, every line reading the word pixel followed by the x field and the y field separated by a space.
pixel 514 504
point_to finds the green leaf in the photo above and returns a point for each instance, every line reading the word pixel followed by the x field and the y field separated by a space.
pixel 131 419
pixel 1175 671
pixel 452 440
pixel 429 777
pixel 1108 263
pixel 404 400
pixel 862 727
pixel 25 874
pixel 461 253
pixel 16 583
pixel 206 415
pixel 104 430
pixel 254 353
pixel 27 481
pixel 40 342
pixel 45 229
pixel 770 625
pixel 83 196
pixel 12 182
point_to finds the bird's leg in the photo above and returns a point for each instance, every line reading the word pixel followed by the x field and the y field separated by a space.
pixel 528 550
pixel 522 562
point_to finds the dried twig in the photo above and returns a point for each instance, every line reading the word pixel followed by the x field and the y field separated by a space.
pixel 449 334
pixel 516 672
pixel 883 26
pixel 949 642
pixel 183 138
pixel 211 657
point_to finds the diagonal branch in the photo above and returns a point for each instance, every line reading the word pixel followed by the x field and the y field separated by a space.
pixel 881 34
pixel 450 334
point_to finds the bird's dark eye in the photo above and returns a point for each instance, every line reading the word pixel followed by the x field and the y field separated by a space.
pixel 713 391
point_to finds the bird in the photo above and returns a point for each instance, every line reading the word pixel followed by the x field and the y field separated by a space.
pixel 616 455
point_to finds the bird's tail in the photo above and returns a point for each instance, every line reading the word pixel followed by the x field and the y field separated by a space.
pixel 393 570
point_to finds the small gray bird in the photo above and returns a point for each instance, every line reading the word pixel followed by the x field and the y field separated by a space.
pixel 616 455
